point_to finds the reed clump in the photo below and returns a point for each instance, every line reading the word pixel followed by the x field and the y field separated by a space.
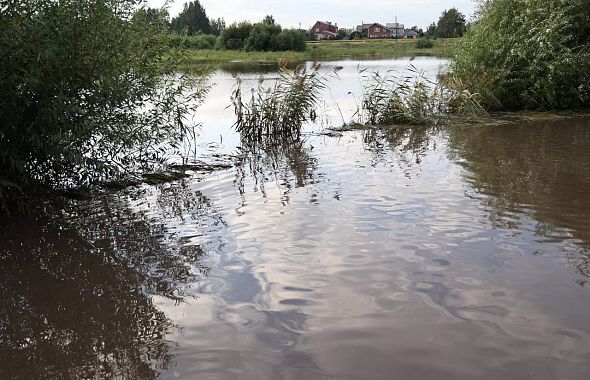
pixel 411 98
pixel 280 109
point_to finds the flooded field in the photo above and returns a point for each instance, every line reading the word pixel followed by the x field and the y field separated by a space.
pixel 400 253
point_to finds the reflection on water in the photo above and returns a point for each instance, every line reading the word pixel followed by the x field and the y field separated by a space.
pixel 411 253
pixel 77 288
pixel 540 171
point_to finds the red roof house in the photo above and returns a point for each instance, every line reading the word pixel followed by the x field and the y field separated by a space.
pixel 323 30
pixel 377 30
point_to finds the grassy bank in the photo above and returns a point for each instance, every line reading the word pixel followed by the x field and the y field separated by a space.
pixel 325 50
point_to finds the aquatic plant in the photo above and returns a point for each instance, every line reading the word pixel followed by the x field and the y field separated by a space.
pixel 279 110
pixel 528 54
pixel 424 43
pixel 409 97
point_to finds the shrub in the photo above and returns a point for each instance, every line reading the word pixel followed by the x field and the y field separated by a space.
pixel 291 39
pixel 528 54
pixel 424 43
pixel 84 91
pixel 234 36
pixel 263 37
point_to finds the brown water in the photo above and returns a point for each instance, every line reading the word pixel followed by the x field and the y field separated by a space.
pixel 414 253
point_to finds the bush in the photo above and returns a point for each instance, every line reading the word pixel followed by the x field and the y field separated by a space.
pixel 528 54
pixel 84 91
pixel 263 37
pixel 291 39
pixel 234 36
pixel 424 43
pixel 197 41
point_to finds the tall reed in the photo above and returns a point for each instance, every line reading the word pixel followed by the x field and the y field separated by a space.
pixel 409 97
pixel 281 109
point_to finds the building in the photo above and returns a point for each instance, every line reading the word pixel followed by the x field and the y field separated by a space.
pixel 323 30
pixel 397 28
pixel 362 27
pixel 410 34
pixel 377 30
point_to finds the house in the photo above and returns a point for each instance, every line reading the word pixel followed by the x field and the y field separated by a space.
pixel 323 30
pixel 411 34
pixel 362 27
pixel 377 30
pixel 398 29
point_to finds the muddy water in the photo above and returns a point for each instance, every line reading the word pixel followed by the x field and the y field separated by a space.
pixel 412 253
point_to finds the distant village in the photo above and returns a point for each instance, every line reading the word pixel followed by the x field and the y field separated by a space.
pixel 326 30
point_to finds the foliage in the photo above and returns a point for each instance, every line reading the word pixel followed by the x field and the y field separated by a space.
pixel 85 93
pixel 291 40
pixel 528 54
pixel 451 24
pixel 424 43
pixel 234 36
pixel 410 98
pixel 193 19
pixel 431 31
pixel 196 42
pixel 217 26
pixel 418 31
pixel 281 109
pixel 262 36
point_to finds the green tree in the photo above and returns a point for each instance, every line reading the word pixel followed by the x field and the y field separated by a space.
pixel 234 36
pixel 431 31
pixel 84 92
pixel 217 26
pixel 193 19
pixel 419 31
pixel 269 20
pixel 451 24
pixel 532 54
pixel 263 37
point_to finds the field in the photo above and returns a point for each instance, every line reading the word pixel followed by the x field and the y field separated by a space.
pixel 325 50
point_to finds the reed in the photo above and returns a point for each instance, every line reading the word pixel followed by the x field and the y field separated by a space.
pixel 280 109
pixel 410 98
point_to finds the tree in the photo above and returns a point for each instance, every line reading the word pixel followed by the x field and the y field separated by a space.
pixel 193 19
pixel 263 37
pixel 85 93
pixel 451 24
pixel 234 36
pixel 269 20
pixel 217 26
pixel 418 31
pixel 342 34
pixel 431 31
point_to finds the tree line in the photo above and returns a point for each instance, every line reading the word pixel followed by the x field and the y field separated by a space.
pixel 208 33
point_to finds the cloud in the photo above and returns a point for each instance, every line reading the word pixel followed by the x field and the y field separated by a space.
pixel 347 13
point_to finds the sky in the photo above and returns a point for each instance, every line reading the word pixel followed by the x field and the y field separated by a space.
pixel 346 13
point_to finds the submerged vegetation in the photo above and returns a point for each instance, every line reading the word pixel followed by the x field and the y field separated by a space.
pixel 528 54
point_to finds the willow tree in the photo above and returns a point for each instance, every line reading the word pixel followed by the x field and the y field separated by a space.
pixel 88 90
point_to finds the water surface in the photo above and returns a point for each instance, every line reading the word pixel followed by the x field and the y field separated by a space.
pixel 410 253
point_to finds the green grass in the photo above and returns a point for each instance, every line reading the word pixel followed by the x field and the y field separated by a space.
pixel 325 50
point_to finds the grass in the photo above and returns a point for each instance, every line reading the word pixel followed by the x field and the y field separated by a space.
pixel 324 50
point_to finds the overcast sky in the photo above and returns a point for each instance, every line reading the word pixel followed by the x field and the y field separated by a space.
pixel 346 13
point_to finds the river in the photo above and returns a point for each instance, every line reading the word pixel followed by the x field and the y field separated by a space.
pixel 458 252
